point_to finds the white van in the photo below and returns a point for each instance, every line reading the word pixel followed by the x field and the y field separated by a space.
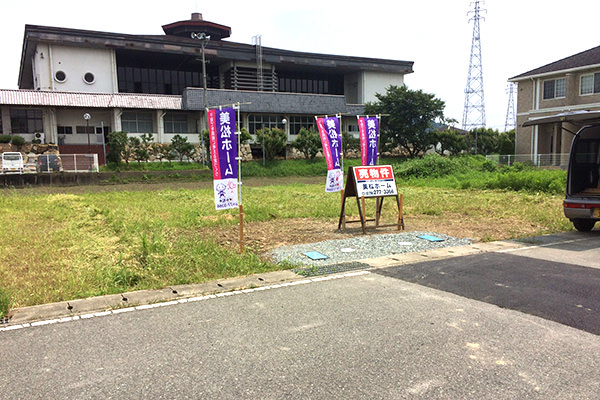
pixel 12 162
pixel 582 197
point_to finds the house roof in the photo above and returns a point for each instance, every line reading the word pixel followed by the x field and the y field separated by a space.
pixel 91 100
pixel 585 58
pixel 271 102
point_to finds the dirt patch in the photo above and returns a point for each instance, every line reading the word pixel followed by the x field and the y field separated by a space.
pixel 268 235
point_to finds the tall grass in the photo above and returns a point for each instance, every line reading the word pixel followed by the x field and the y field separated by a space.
pixel 478 173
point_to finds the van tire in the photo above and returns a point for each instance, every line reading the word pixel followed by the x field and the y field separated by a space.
pixel 583 225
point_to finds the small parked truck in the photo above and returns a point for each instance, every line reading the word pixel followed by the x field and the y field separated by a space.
pixel 582 197
pixel 12 162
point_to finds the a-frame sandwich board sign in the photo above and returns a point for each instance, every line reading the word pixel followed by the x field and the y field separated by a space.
pixel 374 181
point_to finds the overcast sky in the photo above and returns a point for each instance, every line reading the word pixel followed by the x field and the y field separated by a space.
pixel 516 35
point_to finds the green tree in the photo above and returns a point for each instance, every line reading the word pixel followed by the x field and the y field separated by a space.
pixel 308 142
pixel 409 119
pixel 146 148
pixel 117 142
pixel 274 142
pixel 182 147
pixel 134 149
pixel 449 140
pixel 483 141
pixel 506 143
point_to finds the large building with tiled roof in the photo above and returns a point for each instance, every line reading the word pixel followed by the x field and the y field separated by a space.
pixel 154 84
pixel 569 84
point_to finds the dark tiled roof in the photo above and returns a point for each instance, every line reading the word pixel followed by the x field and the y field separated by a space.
pixel 271 102
pixel 585 58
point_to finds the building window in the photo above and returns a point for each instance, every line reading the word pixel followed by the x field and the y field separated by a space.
pixel 590 84
pixel 298 122
pixel 150 80
pixel 64 130
pixel 60 76
pixel 89 78
pixel 26 121
pixel 137 122
pixel 175 123
pixel 257 122
pixel 84 130
pixel 555 88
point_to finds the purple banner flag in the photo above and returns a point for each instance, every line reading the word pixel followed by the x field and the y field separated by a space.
pixel 331 139
pixel 223 150
pixel 368 128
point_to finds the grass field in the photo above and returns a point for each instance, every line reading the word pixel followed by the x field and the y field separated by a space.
pixel 73 245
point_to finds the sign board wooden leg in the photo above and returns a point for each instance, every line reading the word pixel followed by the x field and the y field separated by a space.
pixel 361 214
pixel 400 202
pixel 378 207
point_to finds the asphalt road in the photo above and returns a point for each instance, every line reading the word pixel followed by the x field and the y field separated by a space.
pixel 513 325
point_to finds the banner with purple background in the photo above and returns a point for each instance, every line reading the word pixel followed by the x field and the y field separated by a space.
pixel 329 130
pixel 368 128
pixel 224 152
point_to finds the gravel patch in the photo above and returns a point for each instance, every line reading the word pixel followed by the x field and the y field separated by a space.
pixel 342 254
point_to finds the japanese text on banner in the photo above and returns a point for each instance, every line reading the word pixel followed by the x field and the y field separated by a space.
pixel 368 128
pixel 223 146
pixel 329 130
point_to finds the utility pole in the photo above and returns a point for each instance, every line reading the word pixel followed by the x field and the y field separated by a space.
pixel 474 109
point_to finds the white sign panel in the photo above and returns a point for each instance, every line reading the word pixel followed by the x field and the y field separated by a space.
pixel 375 181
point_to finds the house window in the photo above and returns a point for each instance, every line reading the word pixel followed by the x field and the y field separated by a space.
pixel 26 121
pixel 590 84
pixel 64 130
pixel 176 123
pixel 137 122
pixel 297 123
pixel 555 88
pixel 257 122
pixel 84 129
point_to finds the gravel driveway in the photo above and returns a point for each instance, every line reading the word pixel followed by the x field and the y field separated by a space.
pixel 343 254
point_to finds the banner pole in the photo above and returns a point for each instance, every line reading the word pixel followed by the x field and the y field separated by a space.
pixel 241 208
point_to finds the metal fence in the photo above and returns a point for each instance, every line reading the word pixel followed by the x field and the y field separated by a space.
pixel 540 160
pixel 67 163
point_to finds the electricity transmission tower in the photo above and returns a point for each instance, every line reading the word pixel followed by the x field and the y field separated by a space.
pixel 511 116
pixel 474 110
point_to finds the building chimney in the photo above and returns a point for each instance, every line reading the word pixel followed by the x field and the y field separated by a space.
pixel 196 16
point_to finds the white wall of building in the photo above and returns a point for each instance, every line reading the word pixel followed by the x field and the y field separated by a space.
pixel 377 82
pixel 74 118
pixel 75 62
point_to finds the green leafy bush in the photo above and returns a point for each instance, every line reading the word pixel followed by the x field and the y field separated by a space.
pixel 308 142
pixel 17 140
pixel 5 138
pixel 274 142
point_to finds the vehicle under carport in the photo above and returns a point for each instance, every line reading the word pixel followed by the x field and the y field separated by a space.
pixel 582 197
